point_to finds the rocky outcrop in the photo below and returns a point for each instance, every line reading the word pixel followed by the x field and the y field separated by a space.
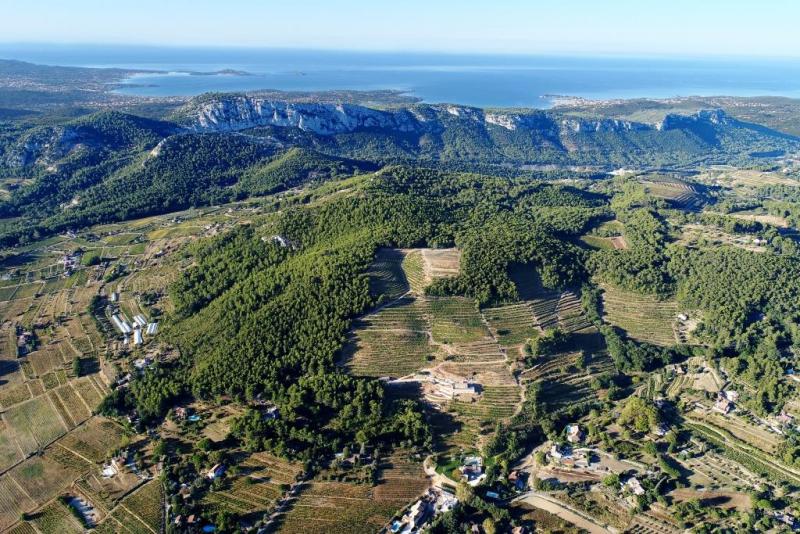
pixel 242 112
pixel 715 117
pixel 578 125
pixel 42 146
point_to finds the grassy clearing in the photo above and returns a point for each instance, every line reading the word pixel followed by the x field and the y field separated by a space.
pixel 643 317
pixel 597 242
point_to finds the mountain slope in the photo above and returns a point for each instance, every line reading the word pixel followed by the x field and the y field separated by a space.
pixel 456 133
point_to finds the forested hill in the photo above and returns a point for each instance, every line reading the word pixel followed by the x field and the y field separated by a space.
pixel 111 166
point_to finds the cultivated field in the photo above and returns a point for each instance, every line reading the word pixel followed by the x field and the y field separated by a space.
pixel 324 507
pixel 643 317
pixel 261 481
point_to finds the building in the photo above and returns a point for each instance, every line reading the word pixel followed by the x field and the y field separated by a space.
pixel 561 452
pixel 731 395
pixel 723 405
pixel 137 337
pixel 215 472
pixel 635 486
pixel 452 389
pixel 574 433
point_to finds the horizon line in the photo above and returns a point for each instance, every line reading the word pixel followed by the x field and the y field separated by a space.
pixel 413 52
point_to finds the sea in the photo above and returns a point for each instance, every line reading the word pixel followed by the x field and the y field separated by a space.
pixel 479 80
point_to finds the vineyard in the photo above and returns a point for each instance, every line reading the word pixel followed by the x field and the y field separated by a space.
pixel 456 320
pixel 393 341
pixel 324 507
pixel 642 317
pixel 262 480
pixel 678 192
pixel 386 275
pixel 511 325
pixel 56 517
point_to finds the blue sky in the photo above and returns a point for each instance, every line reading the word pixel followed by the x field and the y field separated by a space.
pixel 638 27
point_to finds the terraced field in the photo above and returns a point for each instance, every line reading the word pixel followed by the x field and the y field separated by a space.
pixel 324 507
pixel 456 320
pixel 511 325
pixel 391 342
pixel 262 480
pixel 643 317
pixel 682 194
pixel 386 275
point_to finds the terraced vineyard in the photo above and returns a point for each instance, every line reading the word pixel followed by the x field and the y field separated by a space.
pixel 511 325
pixel 456 320
pixel 682 194
pixel 643 317
pixel 386 275
pixel 391 342
pixel 324 507
pixel 262 481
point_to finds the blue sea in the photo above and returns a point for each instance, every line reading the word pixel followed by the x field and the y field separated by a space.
pixel 480 80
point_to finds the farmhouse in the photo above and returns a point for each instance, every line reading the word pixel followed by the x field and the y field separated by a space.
pixel 472 470
pixel 574 433
pixel 723 405
pixel 560 452
pixel 452 389
pixel 635 486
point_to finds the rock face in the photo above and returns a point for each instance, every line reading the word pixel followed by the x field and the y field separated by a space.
pixel 42 146
pixel 240 112
pixel 602 125
pixel 707 116
pixel 234 113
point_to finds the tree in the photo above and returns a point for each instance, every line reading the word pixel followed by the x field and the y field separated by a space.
pixel 639 415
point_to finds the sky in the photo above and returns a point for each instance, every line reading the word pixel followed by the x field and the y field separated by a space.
pixel 629 27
